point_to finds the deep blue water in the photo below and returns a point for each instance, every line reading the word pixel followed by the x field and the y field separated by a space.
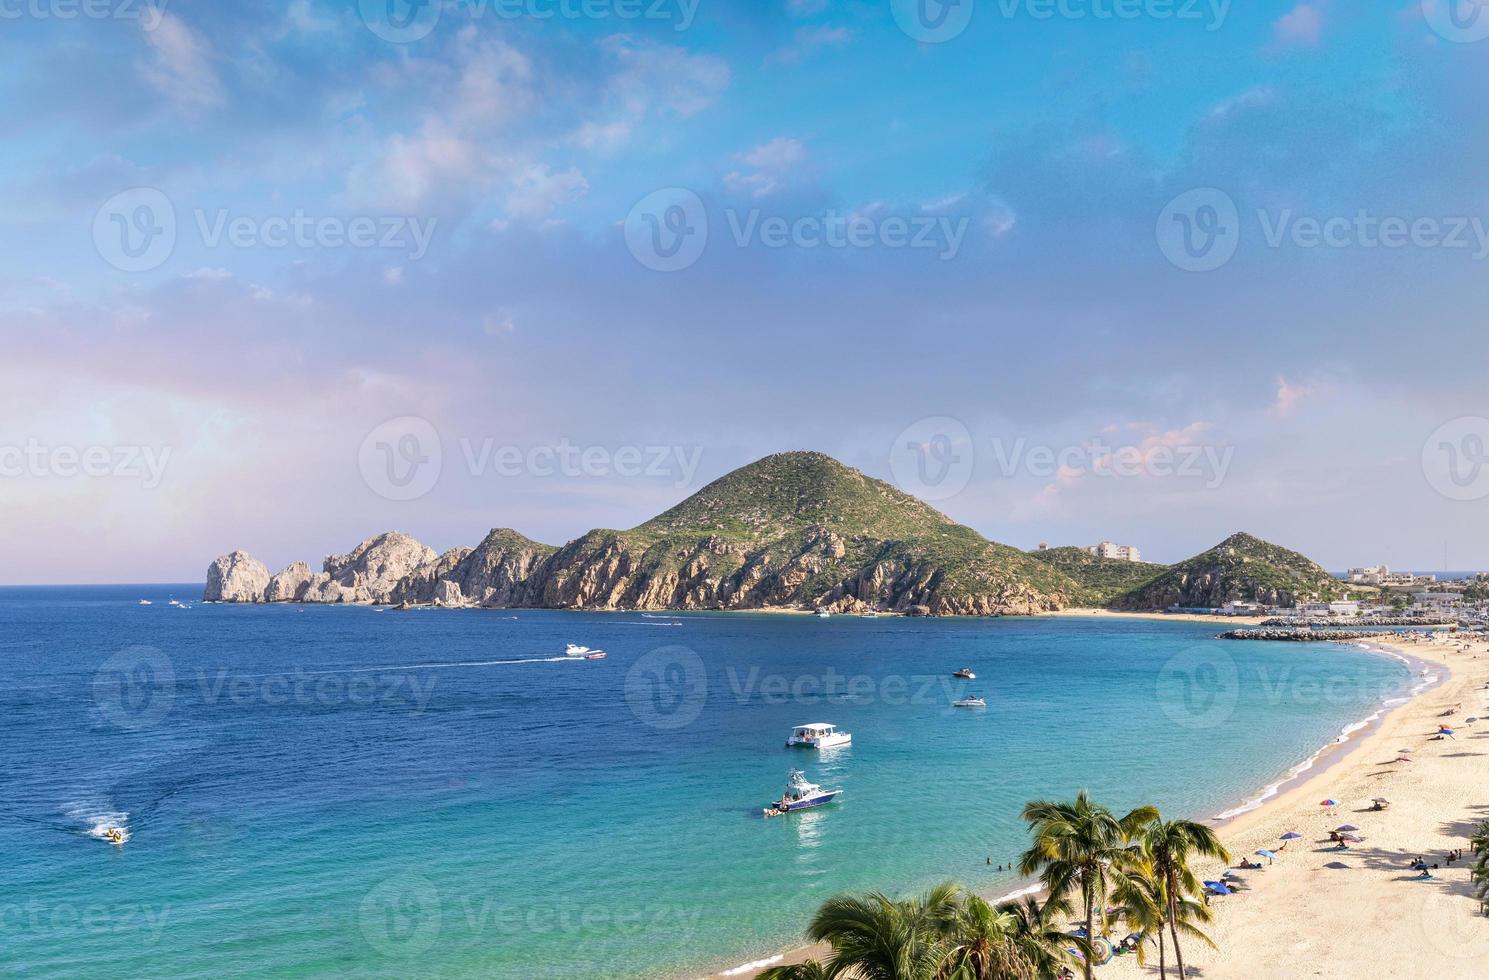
pixel 343 791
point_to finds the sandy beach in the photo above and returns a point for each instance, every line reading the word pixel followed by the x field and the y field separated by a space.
pixel 1172 617
pixel 1322 912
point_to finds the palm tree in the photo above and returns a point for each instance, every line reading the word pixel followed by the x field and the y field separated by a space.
pixel 1169 846
pixel 1144 907
pixel 980 944
pixel 1081 846
pixel 874 937
pixel 1039 932
pixel 1479 844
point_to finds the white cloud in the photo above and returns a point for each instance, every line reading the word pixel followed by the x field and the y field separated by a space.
pixel 537 191
pixel 180 65
pixel 1289 394
pixel 1300 26
pixel 771 163
pixel 809 39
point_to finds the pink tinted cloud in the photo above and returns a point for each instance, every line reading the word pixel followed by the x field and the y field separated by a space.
pixel 1301 26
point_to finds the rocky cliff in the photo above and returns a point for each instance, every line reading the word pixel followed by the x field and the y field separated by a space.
pixel 236 577
pixel 791 530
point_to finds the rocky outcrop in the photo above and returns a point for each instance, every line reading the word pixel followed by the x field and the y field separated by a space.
pixel 375 571
pixel 495 571
pixel 236 577
pixel 290 585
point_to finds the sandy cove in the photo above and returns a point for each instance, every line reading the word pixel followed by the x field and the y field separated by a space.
pixel 1357 913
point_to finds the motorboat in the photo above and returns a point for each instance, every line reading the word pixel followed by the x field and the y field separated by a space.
pixel 595 655
pixel 146 602
pixel 965 674
pixel 800 795
pixel 871 614
pixel 817 736
pixel 823 613
pixel 969 703
pixel 576 650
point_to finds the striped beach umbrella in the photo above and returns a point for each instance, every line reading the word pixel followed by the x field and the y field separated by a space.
pixel 1329 802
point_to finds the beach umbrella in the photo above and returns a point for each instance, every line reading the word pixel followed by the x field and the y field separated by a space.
pixel 1403 758
pixel 1347 827
pixel 1380 799
pixel 1269 855
pixel 1290 835
pixel 1328 802
pixel 1217 888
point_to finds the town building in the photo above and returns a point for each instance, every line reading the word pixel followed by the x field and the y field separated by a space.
pixel 1121 552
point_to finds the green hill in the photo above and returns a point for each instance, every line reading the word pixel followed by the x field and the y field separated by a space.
pixel 1240 568
pixel 799 529
pixel 1100 579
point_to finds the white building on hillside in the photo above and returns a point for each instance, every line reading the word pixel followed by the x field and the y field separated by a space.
pixel 1121 552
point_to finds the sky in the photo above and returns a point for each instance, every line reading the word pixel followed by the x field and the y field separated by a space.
pixel 283 274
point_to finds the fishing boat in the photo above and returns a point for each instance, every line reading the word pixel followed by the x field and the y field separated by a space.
pixel 817 736
pixel 969 703
pixel 965 674
pixel 800 795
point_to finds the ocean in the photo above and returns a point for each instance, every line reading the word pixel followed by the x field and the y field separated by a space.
pixel 349 791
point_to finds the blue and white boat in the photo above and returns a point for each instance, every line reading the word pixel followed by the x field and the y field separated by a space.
pixel 800 795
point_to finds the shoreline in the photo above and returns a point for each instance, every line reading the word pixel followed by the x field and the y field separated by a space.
pixel 1273 798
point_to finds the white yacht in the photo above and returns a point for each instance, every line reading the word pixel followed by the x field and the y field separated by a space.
pixel 817 736
pixel 575 650
pixel 969 703
pixel 800 795
pixel 146 602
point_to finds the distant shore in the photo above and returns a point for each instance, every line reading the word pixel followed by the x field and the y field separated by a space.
pixel 1314 903
pixel 1175 617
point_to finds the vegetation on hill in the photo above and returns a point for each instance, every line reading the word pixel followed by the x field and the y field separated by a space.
pixel 1100 579
pixel 1242 568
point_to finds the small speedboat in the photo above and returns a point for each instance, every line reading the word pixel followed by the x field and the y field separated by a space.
pixel 800 795
pixel 965 674
pixel 823 613
pixel 969 703
pixel 596 655
pixel 146 602
pixel 575 650
pixel 817 736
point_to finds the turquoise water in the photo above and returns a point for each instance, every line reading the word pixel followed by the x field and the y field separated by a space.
pixel 350 792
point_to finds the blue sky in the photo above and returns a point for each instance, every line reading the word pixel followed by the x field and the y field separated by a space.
pixel 502 173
